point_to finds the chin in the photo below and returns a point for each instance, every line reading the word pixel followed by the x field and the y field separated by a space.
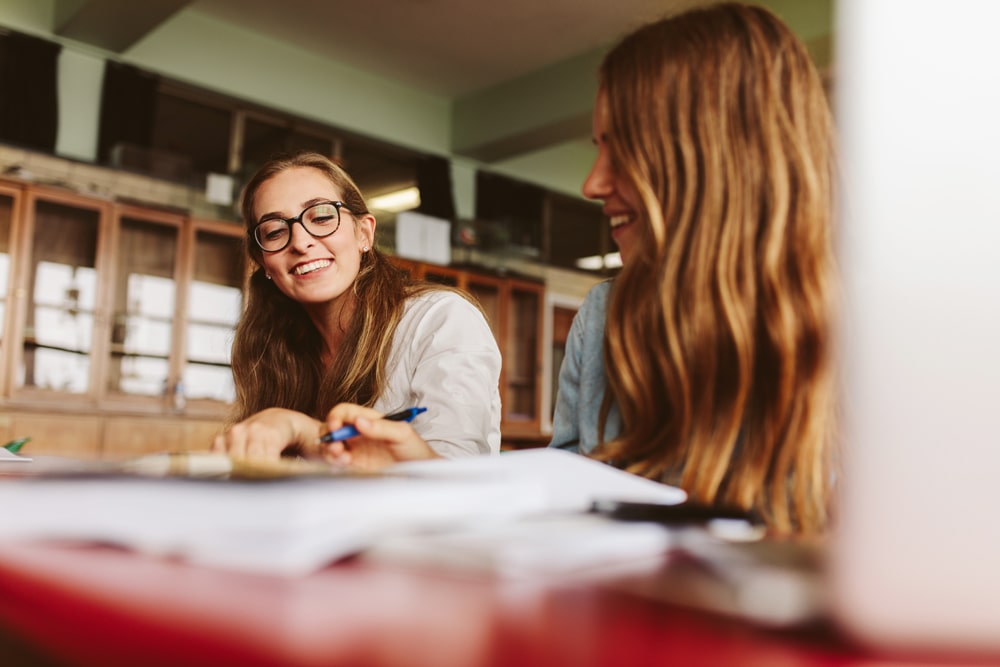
pixel 625 239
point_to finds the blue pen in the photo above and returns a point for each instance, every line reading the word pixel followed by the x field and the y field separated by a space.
pixel 345 432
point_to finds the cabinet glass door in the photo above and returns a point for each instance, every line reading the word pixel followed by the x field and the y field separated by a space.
pixel 144 308
pixel 62 282
pixel 522 360
pixel 215 302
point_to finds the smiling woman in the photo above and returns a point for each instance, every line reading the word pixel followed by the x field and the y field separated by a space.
pixel 707 362
pixel 334 334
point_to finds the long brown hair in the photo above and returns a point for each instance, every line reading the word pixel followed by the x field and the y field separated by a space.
pixel 277 350
pixel 718 119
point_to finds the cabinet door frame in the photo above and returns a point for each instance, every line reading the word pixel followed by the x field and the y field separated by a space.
pixel 20 395
pixel 531 426
pixel 98 397
pixel 162 403
pixel 15 296
pixel 207 407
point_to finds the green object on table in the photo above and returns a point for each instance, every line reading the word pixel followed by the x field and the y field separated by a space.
pixel 15 445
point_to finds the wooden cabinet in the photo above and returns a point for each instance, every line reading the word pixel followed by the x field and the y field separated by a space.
pixel 114 313
pixel 522 358
pixel 117 322
pixel 514 309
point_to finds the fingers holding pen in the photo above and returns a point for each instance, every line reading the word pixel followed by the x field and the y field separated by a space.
pixel 346 441
pixel 347 414
pixel 351 435
pixel 372 441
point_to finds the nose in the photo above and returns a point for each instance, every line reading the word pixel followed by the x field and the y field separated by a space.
pixel 300 238
pixel 599 183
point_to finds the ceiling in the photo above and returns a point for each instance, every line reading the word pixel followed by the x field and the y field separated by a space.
pixel 515 78
pixel 446 47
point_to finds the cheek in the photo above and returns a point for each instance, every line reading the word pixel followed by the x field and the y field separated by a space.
pixel 268 264
pixel 627 240
pixel 629 195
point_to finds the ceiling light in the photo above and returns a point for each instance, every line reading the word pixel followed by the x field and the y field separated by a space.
pixel 394 202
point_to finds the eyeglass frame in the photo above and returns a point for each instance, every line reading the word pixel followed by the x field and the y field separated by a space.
pixel 338 205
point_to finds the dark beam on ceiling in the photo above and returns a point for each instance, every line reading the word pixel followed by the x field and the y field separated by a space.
pixel 539 110
pixel 113 25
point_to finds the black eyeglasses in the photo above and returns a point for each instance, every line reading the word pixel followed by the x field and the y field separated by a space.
pixel 319 220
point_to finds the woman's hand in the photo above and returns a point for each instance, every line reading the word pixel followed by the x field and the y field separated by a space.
pixel 268 433
pixel 380 442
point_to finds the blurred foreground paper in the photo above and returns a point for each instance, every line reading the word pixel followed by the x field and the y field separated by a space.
pixel 297 525
pixel 550 545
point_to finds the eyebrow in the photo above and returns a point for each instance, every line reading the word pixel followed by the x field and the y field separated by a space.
pixel 276 215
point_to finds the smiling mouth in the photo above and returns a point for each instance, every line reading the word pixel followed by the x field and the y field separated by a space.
pixel 309 267
pixel 619 220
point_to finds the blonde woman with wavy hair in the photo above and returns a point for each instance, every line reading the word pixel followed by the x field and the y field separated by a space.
pixel 706 363
pixel 334 334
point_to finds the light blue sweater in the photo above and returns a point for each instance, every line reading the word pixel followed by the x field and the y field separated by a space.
pixel 582 381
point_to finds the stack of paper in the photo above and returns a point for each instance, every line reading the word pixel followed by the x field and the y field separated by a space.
pixel 296 525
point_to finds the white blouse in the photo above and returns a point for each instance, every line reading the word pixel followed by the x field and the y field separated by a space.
pixel 444 357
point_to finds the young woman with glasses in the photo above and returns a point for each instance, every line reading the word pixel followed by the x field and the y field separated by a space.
pixel 706 363
pixel 333 334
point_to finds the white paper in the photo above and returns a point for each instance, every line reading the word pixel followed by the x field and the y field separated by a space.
pixel 556 545
pixel 423 237
pixel 294 526
pixel 219 189
pixel 7 456
pixel 571 482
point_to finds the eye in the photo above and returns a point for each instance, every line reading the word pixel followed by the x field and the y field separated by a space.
pixel 272 231
pixel 322 215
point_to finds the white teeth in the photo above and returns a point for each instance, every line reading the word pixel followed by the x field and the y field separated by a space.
pixel 311 266
pixel 619 220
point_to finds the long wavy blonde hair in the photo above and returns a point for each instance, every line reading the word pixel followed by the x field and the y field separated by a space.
pixel 719 120
pixel 277 350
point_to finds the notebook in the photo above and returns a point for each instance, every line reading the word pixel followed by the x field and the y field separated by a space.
pixel 915 563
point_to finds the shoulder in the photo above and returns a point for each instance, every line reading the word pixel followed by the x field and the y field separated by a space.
pixel 438 303
pixel 597 297
pixel 594 307
pixel 445 315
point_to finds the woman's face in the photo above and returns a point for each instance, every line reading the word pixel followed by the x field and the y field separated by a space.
pixel 621 204
pixel 310 270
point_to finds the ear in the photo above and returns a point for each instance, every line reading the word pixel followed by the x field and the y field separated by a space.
pixel 365 230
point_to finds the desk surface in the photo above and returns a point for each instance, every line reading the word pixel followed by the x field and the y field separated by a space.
pixel 90 606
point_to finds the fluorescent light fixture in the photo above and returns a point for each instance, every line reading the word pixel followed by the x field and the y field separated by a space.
pixel 612 260
pixel 394 202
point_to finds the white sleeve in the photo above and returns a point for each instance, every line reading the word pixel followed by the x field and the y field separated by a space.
pixel 446 359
